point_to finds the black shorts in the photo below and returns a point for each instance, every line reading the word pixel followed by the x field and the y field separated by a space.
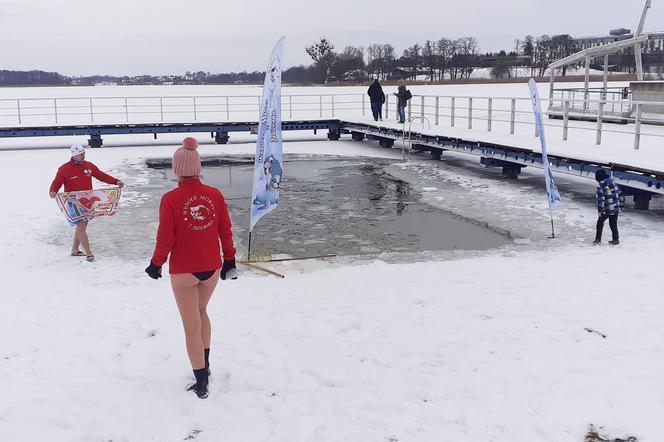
pixel 203 276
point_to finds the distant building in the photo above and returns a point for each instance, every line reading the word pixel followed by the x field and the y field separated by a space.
pixel 652 51
pixel 655 41
pixel 490 61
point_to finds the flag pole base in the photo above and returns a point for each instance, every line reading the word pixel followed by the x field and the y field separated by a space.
pixel 249 248
pixel 553 232
pixel 251 265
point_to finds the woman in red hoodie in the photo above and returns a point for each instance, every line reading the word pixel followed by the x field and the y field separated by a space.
pixel 193 220
pixel 76 175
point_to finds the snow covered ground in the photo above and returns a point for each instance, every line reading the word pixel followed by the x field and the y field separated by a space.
pixel 504 345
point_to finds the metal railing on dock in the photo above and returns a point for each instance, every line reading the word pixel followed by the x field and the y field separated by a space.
pixel 508 115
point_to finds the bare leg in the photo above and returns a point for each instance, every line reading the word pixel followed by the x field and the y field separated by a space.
pixel 185 288
pixel 82 236
pixel 205 290
pixel 74 246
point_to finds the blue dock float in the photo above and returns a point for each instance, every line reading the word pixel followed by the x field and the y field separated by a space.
pixel 640 183
pixel 219 131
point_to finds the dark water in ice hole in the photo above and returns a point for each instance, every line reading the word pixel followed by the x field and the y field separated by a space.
pixel 346 207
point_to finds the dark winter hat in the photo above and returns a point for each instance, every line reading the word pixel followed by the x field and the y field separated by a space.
pixel 600 175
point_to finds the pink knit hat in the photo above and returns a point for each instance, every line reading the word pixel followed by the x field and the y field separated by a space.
pixel 186 161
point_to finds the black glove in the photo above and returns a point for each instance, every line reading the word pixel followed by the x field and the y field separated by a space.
pixel 228 270
pixel 153 271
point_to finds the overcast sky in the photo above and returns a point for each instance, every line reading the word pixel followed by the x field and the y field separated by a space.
pixel 83 37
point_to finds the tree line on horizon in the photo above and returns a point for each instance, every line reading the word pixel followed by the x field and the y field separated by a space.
pixel 435 60
pixel 453 59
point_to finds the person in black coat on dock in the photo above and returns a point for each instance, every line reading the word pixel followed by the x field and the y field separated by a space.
pixel 377 98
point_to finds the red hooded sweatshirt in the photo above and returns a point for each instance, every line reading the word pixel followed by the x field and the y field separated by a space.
pixel 193 218
pixel 77 177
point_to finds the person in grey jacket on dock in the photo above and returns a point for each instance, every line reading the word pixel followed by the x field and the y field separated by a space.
pixel 610 202
pixel 403 95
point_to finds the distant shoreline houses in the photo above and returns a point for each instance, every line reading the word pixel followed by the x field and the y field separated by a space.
pixel 443 60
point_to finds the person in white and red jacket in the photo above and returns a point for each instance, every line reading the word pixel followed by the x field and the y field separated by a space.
pixel 76 175
pixel 193 224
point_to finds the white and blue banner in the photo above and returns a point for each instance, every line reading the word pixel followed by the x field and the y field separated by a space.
pixel 268 171
pixel 554 196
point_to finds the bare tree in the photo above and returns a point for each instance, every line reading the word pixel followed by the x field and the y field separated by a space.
pixel 465 57
pixel 430 58
pixel 389 60
pixel 502 67
pixel 374 57
pixel 380 60
pixel 517 46
pixel 542 54
pixel 445 50
pixel 562 46
pixel 349 64
pixel 528 49
pixel 322 53
pixel 412 59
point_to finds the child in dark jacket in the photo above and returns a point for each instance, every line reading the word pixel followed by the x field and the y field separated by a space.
pixel 610 202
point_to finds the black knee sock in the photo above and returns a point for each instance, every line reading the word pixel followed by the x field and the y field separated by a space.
pixel 201 377
pixel 207 358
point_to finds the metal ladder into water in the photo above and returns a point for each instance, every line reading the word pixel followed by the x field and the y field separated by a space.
pixel 407 146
